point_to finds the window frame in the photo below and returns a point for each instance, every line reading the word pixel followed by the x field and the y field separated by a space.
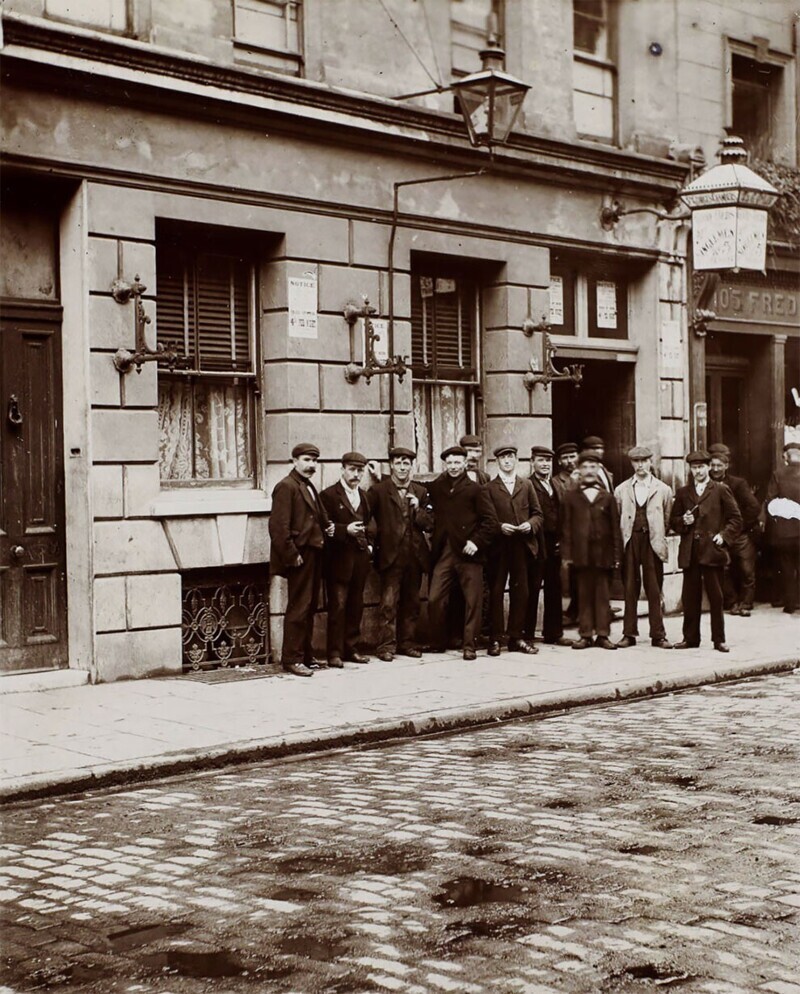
pixel 606 63
pixel 84 22
pixel 581 277
pixel 782 99
pixel 192 253
pixel 497 10
pixel 294 57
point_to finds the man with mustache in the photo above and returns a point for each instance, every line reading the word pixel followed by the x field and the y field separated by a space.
pixel 298 525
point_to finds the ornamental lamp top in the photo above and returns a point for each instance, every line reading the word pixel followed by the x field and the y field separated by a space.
pixel 730 183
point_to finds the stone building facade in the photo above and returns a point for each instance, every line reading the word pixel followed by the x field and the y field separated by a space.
pixel 241 158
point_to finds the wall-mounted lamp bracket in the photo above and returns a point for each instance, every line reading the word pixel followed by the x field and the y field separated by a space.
pixel 549 374
pixel 613 212
pixel 528 327
pixel 167 354
pixel 703 289
pixel 372 366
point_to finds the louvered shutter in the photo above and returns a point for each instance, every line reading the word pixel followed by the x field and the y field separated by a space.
pixel 174 307
pixel 442 325
pixel 222 322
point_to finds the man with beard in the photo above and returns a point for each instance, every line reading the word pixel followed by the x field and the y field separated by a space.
pixel 707 518
pixel 591 541
pixel 398 506
pixel 645 504
pixel 520 517
pixel 347 560
pixel 544 571
pixel 298 525
pixel 739 579
pixel 464 524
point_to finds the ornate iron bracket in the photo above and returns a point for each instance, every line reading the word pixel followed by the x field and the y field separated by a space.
pixel 168 354
pixel 611 213
pixel 703 289
pixel 373 366
pixel 549 374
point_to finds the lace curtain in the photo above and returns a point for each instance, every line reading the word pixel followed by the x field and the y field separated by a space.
pixel 204 430
pixel 441 417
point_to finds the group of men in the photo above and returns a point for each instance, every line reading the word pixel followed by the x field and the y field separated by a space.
pixel 510 533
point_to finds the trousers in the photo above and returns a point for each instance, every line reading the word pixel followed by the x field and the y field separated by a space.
pixel 345 608
pixel 545 573
pixel 303 594
pixel 399 605
pixel 641 566
pixel 739 580
pixel 694 579
pixel 594 600
pixel 509 561
pixel 470 578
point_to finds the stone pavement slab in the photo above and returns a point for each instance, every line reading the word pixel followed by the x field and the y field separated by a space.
pixel 73 737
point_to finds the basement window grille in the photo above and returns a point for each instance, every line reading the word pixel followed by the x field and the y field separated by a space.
pixel 225 618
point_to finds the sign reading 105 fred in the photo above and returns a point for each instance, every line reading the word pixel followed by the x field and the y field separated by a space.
pixel 302 294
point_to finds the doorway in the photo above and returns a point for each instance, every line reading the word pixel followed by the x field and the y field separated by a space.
pixel 604 405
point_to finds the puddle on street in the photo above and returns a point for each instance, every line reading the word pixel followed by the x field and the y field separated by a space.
pixel 638 850
pixel 467 892
pixel 130 938
pixel 775 820
pixel 192 963
pixel 663 976
pixel 560 802
pixel 294 894
pixel 316 948
pixel 388 861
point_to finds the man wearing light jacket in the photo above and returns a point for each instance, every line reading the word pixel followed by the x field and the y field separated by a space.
pixel 645 505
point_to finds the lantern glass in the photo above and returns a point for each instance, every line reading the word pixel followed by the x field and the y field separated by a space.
pixel 490 102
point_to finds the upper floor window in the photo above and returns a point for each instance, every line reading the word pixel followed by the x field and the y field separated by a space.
pixel 471 22
pixel 269 33
pixel 594 73
pixel 588 300
pixel 444 357
pixel 206 302
pixel 754 103
pixel 112 15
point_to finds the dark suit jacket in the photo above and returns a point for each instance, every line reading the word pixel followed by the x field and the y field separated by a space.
pixel 590 534
pixel 551 506
pixel 783 532
pixel 463 514
pixel 386 508
pixel 344 553
pixel 717 512
pixel 296 521
pixel 522 505
pixel 483 478
pixel 748 504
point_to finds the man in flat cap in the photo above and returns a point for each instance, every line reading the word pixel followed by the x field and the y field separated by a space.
pixel 782 510
pixel 474 447
pixel 298 525
pixel 566 477
pixel 347 561
pixel 544 571
pixel 399 508
pixel 464 524
pixel 739 578
pixel 591 541
pixel 645 505
pixel 707 518
pixel 517 508
pixel 596 445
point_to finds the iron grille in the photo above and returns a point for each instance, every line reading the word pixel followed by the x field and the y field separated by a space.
pixel 225 618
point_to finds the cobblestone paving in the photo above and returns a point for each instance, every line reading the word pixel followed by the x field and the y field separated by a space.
pixel 649 846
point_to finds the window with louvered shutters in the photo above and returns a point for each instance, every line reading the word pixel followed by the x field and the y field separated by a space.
pixel 443 360
pixel 206 414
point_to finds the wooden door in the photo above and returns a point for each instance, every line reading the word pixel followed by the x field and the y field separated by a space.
pixel 33 606
pixel 726 396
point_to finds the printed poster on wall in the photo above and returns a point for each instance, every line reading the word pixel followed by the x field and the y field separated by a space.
pixel 302 294
pixel 606 304
pixel 671 349
pixel 556 300
pixel 380 344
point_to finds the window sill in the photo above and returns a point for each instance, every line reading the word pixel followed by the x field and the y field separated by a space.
pixel 198 503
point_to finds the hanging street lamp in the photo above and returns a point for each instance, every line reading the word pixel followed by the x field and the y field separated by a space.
pixel 491 99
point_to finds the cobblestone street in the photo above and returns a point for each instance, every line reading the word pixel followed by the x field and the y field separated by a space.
pixel 649 846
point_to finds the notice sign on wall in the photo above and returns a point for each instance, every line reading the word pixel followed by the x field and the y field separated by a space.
pixel 556 300
pixel 606 304
pixel 671 351
pixel 302 294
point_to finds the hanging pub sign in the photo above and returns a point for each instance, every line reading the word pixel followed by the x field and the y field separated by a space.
pixel 729 238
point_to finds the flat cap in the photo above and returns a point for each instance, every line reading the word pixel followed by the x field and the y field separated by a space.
pixel 587 456
pixel 505 447
pixel 593 442
pixel 454 450
pixel 719 449
pixel 471 440
pixel 354 459
pixel 640 452
pixel 401 450
pixel 542 450
pixel 565 448
pixel 305 449
pixel 793 444
pixel 699 455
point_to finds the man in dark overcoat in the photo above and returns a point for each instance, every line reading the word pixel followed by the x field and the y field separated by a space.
pixel 591 541
pixel 398 505
pixel 544 571
pixel 347 561
pixel 464 524
pixel 298 525
pixel 517 508
pixel 706 516
pixel 738 579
